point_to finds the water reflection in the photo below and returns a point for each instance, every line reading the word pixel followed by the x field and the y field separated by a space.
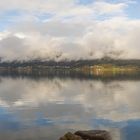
pixel 46 108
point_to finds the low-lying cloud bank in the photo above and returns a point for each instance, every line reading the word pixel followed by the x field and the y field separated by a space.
pixel 71 35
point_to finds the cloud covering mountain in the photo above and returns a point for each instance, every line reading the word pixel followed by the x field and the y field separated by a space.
pixel 68 29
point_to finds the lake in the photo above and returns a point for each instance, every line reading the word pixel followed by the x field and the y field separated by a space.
pixel 44 108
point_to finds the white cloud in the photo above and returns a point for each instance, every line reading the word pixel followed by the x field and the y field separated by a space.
pixel 102 7
pixel 63 8
pixel 73 31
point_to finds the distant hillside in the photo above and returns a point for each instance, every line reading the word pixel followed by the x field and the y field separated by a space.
pixel 72 63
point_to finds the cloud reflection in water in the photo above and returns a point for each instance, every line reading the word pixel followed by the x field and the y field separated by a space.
pixel 65 104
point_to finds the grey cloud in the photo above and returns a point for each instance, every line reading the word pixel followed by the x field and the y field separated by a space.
pixel 74 38
pixel 55 28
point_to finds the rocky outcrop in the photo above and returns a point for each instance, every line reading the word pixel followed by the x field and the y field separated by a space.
pixel 94 135
pixel 70 136
pixel 87 135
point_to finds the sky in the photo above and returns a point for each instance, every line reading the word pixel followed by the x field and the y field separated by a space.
pixel 69 29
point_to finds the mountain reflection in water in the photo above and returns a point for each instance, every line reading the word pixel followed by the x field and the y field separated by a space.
pixel 45 108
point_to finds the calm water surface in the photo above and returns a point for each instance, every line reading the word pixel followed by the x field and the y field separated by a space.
pixel 46 108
